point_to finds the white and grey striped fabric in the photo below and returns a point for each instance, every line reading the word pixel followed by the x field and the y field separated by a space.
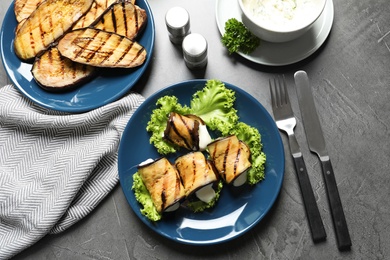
pixel 54 167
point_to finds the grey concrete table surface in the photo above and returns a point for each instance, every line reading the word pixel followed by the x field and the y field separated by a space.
pixel 350 76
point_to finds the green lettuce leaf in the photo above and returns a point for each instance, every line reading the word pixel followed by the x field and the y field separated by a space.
pixel 215 105
pixel 143 197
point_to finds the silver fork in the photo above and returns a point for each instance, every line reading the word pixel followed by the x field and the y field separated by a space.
pixel 286 121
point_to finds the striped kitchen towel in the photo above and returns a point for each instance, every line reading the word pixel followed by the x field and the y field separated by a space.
pixel 55 167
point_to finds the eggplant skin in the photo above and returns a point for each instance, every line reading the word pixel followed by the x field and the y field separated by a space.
pixel 46 24
pixel 56 73
pixel 101 49
pixel 124 19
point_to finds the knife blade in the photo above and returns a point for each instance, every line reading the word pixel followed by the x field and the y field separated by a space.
pixel 316 142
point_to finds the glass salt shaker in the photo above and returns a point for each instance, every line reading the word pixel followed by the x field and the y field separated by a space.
pixel 177 20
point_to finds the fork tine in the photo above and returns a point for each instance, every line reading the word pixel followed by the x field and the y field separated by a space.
pixel 279 91
pixel 279 94
pixel 273 97
pixel 286 99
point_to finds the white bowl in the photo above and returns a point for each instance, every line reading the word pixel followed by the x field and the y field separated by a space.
pixel 272 24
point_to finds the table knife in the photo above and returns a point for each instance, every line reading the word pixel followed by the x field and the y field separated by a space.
pixel 316 142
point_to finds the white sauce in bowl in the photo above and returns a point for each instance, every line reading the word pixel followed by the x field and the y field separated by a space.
pixel 283 15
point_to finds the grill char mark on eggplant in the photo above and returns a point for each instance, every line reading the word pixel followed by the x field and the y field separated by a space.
pixel 183 130
pixel 56 73
pixel 24 8
pixel 163 197
pixel 163 183
pixel 173 124
pixel 102 49
pixel 230 156
pixel 46 24
pixel 195 171
pixel 97 9
pixel 88 40
pixel 123 18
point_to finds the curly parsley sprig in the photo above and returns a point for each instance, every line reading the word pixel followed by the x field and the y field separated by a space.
pixel 238 38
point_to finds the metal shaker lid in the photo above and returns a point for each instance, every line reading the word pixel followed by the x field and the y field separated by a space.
pixel 177 20
pixel 194 47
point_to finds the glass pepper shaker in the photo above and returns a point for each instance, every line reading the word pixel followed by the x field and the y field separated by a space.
pixel 195 51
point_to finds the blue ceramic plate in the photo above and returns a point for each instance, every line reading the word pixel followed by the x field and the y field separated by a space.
pixel 106 88
pixel 234 213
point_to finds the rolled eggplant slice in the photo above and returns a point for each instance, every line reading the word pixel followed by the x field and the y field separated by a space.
pixel 187 131
pixel 231 158
pixel 163 183
pixel 197 173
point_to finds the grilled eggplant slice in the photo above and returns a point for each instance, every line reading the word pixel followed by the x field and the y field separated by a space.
pixel 46 24
pixel 163 183
pixel 101 49
pixel 122 18
pixel 231 158
pixel 187 131
pixel 56 73
pixel 197 174
pixel 97 9
pixel 24 8
pixel 19 25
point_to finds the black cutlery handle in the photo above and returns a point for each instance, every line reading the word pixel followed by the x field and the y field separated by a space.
pixel 336 208
pixel 313 215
